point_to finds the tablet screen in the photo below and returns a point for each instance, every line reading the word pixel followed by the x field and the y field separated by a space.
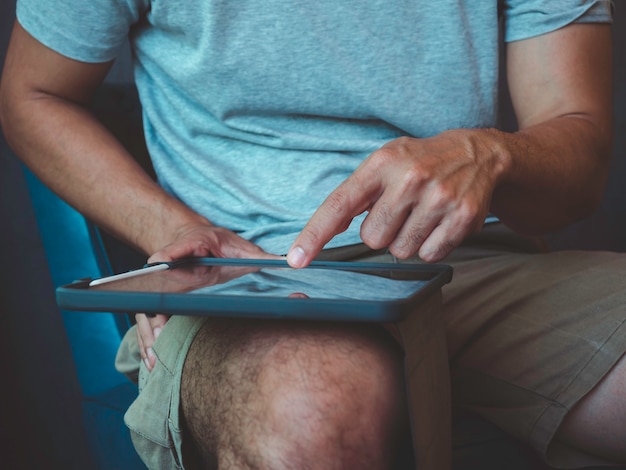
pixel 259 280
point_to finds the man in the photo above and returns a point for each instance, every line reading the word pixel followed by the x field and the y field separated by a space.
pixel 275 127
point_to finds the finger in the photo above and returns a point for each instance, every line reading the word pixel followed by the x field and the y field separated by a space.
pixel 142 349
pixel 385 220
pixel 171 253
pixel 145 337
pixel 298 295
pixel 331 218
pixel 157 323
pixel 444 238
pixel 140 344
pixel 264 255
pixel 196 244
pixel 244 249
pixel 416 230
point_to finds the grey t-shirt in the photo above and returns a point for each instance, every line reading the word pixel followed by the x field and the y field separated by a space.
pixel 256 110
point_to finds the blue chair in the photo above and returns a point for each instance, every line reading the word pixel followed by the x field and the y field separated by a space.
pixel 93 337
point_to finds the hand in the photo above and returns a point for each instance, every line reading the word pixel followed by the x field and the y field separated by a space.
pixel 422 196
pixel 194 241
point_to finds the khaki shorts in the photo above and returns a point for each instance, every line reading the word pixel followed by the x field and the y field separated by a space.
pixel 529 334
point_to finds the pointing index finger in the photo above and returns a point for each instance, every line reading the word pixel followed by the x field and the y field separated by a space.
pixel 331 218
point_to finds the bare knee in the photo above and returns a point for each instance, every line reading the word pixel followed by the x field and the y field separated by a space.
pixel 331 403
pixel 596 424
pixel 316 399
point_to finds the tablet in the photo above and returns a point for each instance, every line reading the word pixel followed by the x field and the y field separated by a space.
pixel 325 290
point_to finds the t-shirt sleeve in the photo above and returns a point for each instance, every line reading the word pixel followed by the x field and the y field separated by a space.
pixel 527 18
pixel 87 31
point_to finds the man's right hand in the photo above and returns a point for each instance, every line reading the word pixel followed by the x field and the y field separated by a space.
pixel 198 240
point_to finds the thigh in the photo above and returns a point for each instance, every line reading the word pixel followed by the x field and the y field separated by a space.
pixel 529 335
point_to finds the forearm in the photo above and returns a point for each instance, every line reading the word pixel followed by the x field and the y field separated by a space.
pixel 555 175
pixel 84 164
pixel 560 86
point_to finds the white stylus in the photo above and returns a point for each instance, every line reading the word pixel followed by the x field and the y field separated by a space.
pixel 136 272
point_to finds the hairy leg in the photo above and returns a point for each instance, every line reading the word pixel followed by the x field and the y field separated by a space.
pixel 294 395
pixel 596 423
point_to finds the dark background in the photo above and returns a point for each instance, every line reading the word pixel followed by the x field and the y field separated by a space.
pixel 40 424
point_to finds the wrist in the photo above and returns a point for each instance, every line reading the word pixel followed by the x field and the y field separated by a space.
pixel 499 147
pixel 488 147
